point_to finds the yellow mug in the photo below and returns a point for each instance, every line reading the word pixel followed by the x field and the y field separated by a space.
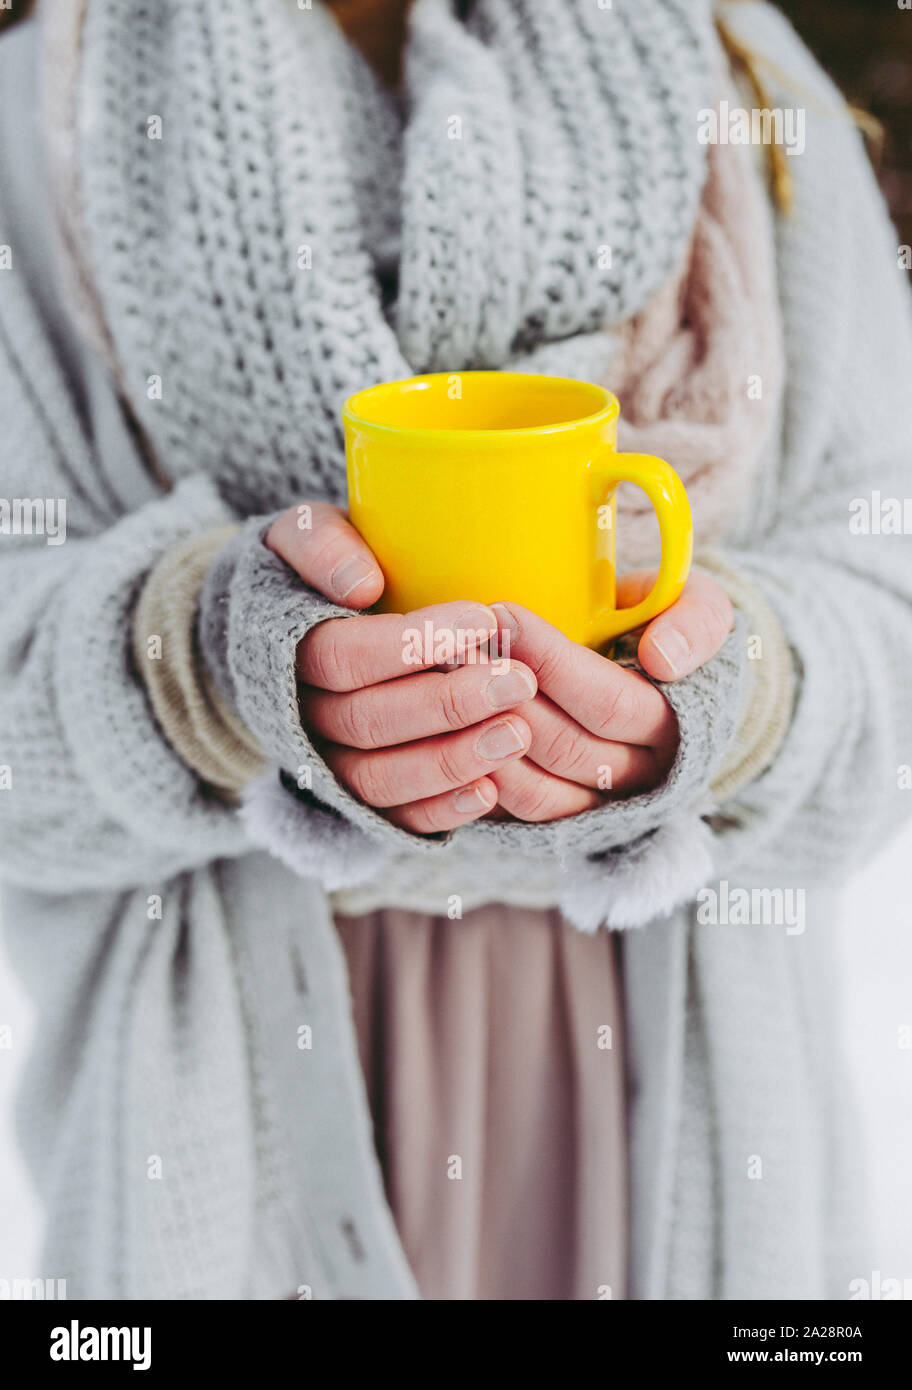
pixel 501 485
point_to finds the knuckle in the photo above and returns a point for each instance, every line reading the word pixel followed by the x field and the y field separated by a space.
pixel 714 627
pixel 714 605
pixel 327 540
pixel 549 666
pixel 359 723
pixel 723 616
pixel 620 710
pixel 326 655
pixel 308 549
pixel 448 761
pixel 369 780
pixel 534 800
pixel 451 703
pixel 564 747
pixel 415 817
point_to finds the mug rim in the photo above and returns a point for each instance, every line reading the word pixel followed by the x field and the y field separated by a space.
pixel 609 410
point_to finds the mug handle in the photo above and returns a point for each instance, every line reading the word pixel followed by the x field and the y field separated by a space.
pixel 665 491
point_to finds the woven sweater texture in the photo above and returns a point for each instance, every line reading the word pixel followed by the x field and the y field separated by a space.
pixel 173 967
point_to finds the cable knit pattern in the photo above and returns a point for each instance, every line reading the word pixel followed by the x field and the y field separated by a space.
pixel 278 162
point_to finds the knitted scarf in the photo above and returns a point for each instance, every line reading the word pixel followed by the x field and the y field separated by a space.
pixel 256 228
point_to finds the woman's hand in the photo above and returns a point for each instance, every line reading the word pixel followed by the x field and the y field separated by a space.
pixel 428 747
pixel 597 728
pixel 418 744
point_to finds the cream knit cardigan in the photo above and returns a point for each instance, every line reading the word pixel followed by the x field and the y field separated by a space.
pixel 186 1140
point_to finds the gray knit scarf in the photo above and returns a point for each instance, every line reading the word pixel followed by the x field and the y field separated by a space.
pixel 261 229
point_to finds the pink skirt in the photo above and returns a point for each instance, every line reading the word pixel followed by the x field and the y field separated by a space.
pixel 492 1050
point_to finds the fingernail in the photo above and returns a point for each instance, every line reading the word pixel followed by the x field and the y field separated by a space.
pixel 346 577
pixel 476 619
pixel 499 741
pixel 674 647
pixel 511 688
pixel 469 799
pixel 505 618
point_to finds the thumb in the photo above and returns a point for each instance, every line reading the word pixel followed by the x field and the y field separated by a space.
pixel 321 545
pixel 689 633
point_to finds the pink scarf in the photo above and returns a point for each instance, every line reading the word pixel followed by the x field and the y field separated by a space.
pixel 699 371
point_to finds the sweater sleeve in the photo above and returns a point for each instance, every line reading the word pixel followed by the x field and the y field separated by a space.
pixel 200 725
pixel 253 613
pixel 770 693
pixel 93 793
pixel 831 552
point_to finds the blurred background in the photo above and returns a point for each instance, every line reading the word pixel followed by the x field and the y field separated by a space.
pixel 866 45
